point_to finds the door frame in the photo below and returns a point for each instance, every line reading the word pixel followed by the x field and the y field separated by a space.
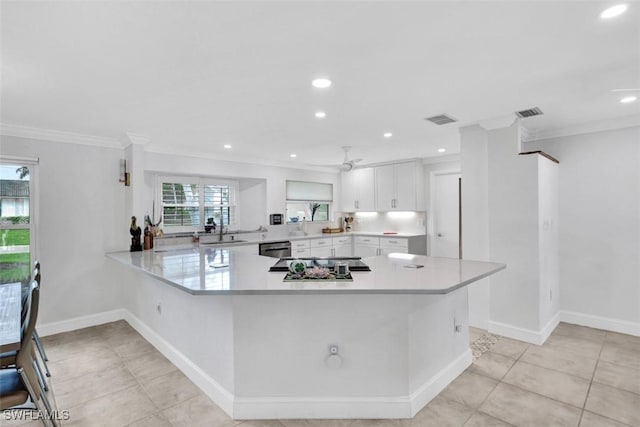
pixel 430 217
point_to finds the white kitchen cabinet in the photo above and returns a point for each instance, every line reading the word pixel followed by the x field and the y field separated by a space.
pixel 371 246
pixel 342 246
pixel 321 247
pixel 358 190
pixel 299 244
pixel 394 244
pixel 399 187
pixel 366 246
pixel 300 253
pixel 385 187
pixel 321 252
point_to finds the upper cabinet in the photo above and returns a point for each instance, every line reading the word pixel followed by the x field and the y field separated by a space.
pixel 399 187
pixel 358 190
pixel 395 187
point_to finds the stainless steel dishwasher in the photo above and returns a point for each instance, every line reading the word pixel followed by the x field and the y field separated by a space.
pixel 276 249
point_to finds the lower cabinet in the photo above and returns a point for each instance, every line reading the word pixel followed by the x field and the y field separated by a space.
pixel 300 253
pixel 366 246
pixel 342 246
pixel 321 252
pixel 322 248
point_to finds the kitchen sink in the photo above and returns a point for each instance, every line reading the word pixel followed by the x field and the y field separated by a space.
pixel 224 242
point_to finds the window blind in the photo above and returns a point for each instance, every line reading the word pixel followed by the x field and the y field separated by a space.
pixel 309 191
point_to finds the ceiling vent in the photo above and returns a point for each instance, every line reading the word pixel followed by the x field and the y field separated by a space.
pixel 441 119
pixel 535 111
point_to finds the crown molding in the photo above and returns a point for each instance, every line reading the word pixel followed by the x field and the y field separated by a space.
pixel 445 158
pixel 58 136
pixel 130 138
pixel 592 127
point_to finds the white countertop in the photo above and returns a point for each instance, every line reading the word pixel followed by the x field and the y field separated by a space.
pixel 216 270
pixel 173 243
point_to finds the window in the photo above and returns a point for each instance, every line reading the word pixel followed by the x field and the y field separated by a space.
pixel 190 203
pixel 308 201
pixel 17 234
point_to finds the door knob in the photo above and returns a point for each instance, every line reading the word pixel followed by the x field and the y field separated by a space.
pixel 440 235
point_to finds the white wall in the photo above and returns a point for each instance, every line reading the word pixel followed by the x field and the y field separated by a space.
pixel 81 216
pixel 252 204
pixel 548 238
pixel 599 201
pixel 275 178
pixel 513 231
pixel 474 165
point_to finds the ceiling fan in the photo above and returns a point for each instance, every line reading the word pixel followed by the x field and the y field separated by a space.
pixel 347 164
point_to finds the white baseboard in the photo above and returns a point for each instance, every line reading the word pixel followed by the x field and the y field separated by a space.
pixel 515 332
pixel 256 408
pixel 523 334
pixel 349 408
pixel 549 327
pixel 220 395
pixel 425 393
pixel 539 337
pixel 80 322
pixel 606 323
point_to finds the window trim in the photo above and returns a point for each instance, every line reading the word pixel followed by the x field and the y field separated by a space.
pixel 34 203
pixel 330 212
pixel 201 181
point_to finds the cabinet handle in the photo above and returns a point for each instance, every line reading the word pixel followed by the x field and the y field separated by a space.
pixel 356 204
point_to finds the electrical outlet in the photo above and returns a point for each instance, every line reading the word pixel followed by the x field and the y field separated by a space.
pixel 457 328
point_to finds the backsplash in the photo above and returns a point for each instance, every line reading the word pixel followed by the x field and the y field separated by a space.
pixel 401 222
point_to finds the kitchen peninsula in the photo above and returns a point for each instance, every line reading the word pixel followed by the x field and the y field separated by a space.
pixel 381 346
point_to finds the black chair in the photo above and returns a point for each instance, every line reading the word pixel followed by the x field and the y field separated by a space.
pixel 43 355
pixel 9 359
pixel 20 384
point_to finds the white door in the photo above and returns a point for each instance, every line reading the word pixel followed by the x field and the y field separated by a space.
pixel 445 215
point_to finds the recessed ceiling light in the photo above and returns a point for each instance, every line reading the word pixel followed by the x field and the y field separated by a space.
pixel 441 150
pixel 628 99
pixel 387 135
pixel 293 156
pixel 227 146
pixel 613 11
pixel 321 83
pixel 321 114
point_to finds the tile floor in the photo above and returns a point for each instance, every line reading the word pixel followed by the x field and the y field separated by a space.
pixel 109 375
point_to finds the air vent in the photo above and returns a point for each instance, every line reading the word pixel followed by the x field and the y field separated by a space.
pixel 441 119
pixel 535 111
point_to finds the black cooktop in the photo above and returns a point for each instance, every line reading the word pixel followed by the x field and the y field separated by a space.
pixel 355 263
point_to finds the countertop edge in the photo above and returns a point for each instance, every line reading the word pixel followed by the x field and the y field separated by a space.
pixel 499 267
